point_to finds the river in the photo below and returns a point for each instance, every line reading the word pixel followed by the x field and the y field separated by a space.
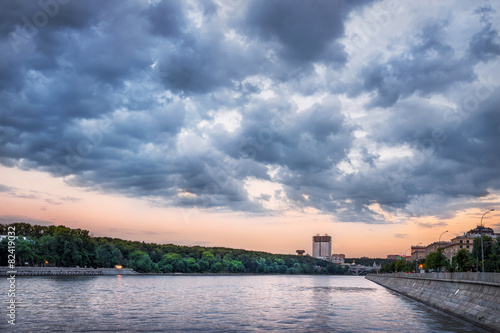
pixel 244 303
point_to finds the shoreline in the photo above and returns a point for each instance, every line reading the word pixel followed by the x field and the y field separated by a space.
pixel 78 271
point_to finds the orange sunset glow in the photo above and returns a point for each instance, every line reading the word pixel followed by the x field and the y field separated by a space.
pixel 136 219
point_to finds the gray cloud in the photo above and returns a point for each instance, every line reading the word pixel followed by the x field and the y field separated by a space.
pixel 429 225
pixel 4 188
pixel 8 219
pixel 302 30
pixel 401 235
pixel 428 66
pixel 184 104
pixel 17 193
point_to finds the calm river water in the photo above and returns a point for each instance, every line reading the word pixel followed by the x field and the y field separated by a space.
pixel 217 304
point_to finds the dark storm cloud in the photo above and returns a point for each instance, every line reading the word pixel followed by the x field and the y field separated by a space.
pixel 200 65
pixel 428 66
pixel 452 151
pixel 275 133
pixel 35 34
pixel 305 31
pixel 125 97
pixel 166 18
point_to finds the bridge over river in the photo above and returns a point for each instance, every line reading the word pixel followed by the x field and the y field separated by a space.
pixel 358 269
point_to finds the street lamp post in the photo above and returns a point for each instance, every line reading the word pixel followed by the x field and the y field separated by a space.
pixel 405 256
pixel 490 243
pixel 442 235
pixel 439 241
pixel 482 248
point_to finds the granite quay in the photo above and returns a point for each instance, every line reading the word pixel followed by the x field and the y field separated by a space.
pixel 474 297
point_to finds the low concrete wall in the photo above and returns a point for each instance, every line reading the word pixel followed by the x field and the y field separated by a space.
pixel 38 271
pixel 59 271
pixel 474 297
pixel 460 277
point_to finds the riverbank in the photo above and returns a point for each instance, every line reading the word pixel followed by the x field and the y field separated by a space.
pixel 474 297
pixel 58 271
pixel 64 271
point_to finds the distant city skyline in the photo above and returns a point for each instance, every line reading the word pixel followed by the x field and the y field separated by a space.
pixel 252 124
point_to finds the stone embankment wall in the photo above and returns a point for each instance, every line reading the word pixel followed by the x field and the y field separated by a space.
pixel 474 297
pixel 59 271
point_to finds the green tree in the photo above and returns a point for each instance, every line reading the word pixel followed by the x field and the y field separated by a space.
pixel 493 262
pixel 105 256
pixel 192 265
pixel 261 266
pixel 172 258
pixel 208 257
pixel 436 260
pixel 216 268
pixel 236 266
pixel 165 264
pixel 463 260
pixel 141 262
pixel 204 266
pixel 488 248
pixel 400 266
pixel 181 266
pixel 25 251
pixel 389 268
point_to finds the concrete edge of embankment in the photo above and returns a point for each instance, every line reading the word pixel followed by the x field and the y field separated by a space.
pixel 64 271
pixel 450 280
pixel 459 316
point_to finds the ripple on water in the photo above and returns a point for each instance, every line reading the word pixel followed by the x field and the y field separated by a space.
pixel 218 304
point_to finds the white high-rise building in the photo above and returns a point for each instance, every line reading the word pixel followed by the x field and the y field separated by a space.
pixel 322 247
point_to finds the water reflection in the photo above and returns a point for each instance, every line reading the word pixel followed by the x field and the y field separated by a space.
pixel 342 289
pixel 219 304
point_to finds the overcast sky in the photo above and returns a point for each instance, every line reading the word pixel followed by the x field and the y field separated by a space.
pixel 376 115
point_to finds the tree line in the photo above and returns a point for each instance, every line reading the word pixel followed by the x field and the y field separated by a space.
pixel 65 247
pixel 463 261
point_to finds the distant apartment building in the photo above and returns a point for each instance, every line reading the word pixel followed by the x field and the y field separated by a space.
pixel 398 257
pixel 322 247
pixel 394 256
pixel 417 252
pixel 421 252
pixel 433 247
pixel 466 241
pixel 338 258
